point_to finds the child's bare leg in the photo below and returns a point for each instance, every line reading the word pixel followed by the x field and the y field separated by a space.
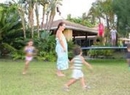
pixel 70 82
pixel 26 67
pixel 83 82
pixel 59 73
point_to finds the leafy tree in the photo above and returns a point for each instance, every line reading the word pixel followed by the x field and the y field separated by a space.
pixel 46 47
pixel 10 28
pixel 51 10
pixel 81 20
pixel 122 11
pixel 18 16
pixel 102 11
pixel 21 13
pixel 95 12
pixel 29 8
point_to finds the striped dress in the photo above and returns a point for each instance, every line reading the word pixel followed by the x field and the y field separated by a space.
pixel 77 69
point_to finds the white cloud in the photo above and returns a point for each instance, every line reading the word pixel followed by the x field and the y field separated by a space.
pixel 75 7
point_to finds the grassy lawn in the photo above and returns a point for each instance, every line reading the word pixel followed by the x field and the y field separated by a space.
pixel 109 77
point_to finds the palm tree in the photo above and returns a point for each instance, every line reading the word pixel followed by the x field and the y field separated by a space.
pixel 108 12
pixel 49 9
pixel 53 9
pixel 102 9
pixel 24 5
pixel 95 12
pixel 31 16
pixel 22 15
pixel 37 17
pixel 44 4
pixel 26 8
pixel 21 12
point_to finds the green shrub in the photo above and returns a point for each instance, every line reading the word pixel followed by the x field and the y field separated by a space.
pixel 19 54
pixel 100 53
pixel 46 47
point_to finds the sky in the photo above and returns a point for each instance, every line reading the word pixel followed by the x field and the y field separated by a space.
pixel 74 7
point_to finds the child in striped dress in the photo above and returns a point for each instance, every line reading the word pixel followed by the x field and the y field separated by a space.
pixel 77 61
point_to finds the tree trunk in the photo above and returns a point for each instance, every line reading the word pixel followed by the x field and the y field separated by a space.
pixel 51 18
pixel 31 22
pixel 37 17
pixel 21 14
pixel 43 17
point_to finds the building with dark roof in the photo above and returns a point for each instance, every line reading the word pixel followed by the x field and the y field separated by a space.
pixel 76 32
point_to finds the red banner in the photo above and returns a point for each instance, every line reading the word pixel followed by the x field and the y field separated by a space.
pixel 101 30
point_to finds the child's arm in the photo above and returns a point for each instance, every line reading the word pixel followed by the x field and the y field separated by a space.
pixel 71 63
pixel 86 63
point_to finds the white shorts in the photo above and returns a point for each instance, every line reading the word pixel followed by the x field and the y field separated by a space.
pixel 77 74
pixel 29 58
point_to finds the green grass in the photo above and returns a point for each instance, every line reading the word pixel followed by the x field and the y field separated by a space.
pixel 109 77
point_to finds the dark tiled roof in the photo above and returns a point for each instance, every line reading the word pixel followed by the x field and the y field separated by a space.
pixel 73 26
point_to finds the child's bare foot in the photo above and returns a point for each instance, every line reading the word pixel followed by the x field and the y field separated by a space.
pixel 24 73
pixel 66 88
pixel 86 87
pixel 60 74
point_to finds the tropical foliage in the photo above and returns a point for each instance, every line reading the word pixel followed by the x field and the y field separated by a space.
pixel 20 21
pixel 10 29
pixel 114 13
pixel 101 12
pixel 17 26
pixel 81 20
pixel 46 47
pixel 122 11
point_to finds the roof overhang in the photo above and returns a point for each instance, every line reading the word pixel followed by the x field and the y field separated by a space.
pixel 74 26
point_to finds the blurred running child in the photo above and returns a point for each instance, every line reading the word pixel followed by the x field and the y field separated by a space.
pixel 30 51
pixel 77 61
